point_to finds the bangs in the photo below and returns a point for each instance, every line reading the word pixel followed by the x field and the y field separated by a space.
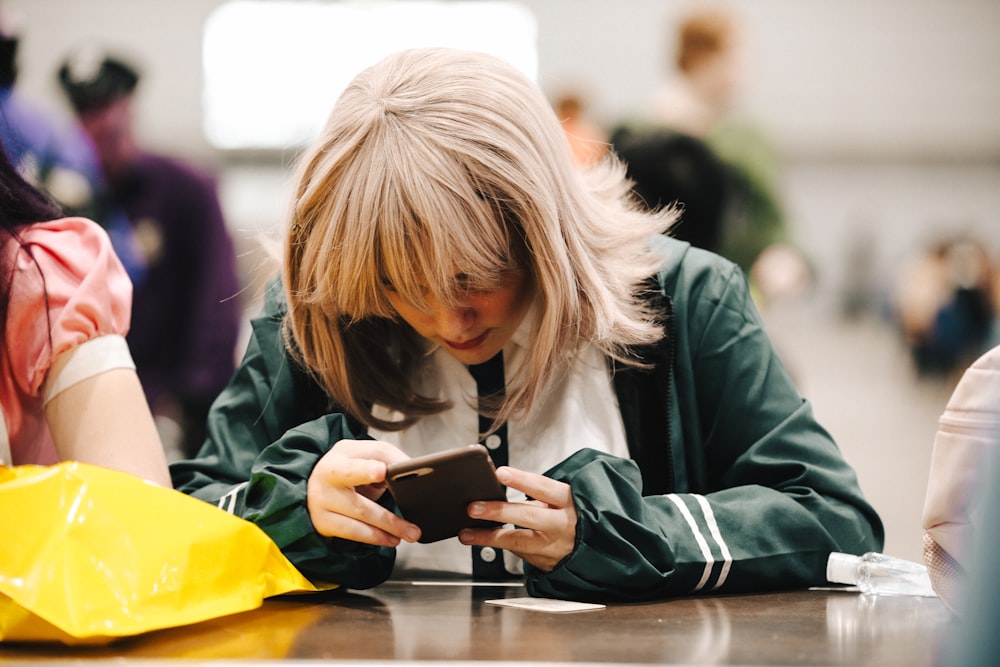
pixel 436 236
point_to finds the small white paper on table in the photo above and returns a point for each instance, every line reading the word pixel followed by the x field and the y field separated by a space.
pixel 546 604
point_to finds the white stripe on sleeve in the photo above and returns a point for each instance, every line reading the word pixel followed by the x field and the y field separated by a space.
pixel 713 527
pixel 228 501
pixel 702 543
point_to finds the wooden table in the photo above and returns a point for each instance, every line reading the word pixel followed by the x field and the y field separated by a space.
pixel 435 622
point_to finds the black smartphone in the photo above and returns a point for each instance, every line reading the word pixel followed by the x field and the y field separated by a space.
pixel 434 491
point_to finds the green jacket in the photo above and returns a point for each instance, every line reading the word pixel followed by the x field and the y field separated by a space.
pixel 731 486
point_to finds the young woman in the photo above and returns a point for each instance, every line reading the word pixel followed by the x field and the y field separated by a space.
pixel 68 387
pixel 439 233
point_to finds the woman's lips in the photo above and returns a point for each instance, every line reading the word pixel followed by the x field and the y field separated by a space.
pixel 469 344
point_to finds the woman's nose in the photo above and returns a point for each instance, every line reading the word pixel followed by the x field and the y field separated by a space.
pixel 454 322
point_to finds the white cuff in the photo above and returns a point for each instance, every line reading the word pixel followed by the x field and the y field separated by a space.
pixel 86 360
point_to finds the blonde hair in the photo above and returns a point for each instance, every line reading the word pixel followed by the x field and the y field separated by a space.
pixel 438 163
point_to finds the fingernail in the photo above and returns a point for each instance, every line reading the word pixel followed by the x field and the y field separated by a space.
pixel 503 475
pixel 465 536
pixel 413 535
pixel 476 509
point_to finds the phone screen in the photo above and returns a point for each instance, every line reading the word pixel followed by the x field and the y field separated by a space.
pixel 434 491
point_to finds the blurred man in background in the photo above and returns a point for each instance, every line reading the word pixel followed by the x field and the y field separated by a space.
pixel 186 311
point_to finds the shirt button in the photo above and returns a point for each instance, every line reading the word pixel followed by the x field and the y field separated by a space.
pixel 493 441
pixel 488 554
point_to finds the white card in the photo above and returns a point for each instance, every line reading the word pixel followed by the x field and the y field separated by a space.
pixel 546 604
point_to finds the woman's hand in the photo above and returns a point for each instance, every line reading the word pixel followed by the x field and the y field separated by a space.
pixel 544 528
pixel 343 490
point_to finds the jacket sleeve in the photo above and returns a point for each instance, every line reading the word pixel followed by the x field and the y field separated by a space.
pixel 763 494
pixel 260 449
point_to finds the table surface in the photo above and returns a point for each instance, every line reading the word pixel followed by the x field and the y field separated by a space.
pixel 442 622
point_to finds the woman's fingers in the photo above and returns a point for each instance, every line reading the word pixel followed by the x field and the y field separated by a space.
pixel 359 519
pixel 539 487
pixel 541 531
pixel 343 488
pixel 345 471
pixel 542 549
pixel 533 514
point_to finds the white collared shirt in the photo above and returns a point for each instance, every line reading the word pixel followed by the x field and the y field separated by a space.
pixel 579 412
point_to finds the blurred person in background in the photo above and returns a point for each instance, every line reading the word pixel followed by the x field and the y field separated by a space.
pixel 186 311
pixel 56 156
pixel 945 305
pixel 708 73
pixel 700 101
pixel 668 167
pixel 587 139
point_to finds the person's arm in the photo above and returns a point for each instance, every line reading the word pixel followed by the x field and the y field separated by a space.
pixel 105 421
pixel 764 494
pixel 266 433
pixel 65 336
pixel 750 537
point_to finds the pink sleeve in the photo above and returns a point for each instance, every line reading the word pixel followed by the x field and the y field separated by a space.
pixel 86 294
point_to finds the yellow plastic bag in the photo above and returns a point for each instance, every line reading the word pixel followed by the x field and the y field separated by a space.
pixel 89 554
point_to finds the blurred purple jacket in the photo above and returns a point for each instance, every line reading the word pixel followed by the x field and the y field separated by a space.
pixel 186 313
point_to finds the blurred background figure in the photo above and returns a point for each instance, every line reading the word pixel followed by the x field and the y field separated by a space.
pixel 667 167
pixel 186 311
pixel 45 152
pixel 699 101
pixel 708 72
pixel 587 139
pixel 53 153
pixel 945 305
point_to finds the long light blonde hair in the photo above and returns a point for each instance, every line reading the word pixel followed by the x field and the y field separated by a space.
pixel 436 163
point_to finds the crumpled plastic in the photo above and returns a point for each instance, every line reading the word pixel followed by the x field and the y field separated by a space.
pixel 88 555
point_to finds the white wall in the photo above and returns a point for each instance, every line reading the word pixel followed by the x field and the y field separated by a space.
pixel 827 77
pixel 845 78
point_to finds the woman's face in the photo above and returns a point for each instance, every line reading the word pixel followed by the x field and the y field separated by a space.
pixel 479 326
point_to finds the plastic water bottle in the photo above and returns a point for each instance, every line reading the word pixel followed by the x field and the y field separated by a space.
pixel 878 574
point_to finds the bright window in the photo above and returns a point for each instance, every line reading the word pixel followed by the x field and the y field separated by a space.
pixel 273 68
